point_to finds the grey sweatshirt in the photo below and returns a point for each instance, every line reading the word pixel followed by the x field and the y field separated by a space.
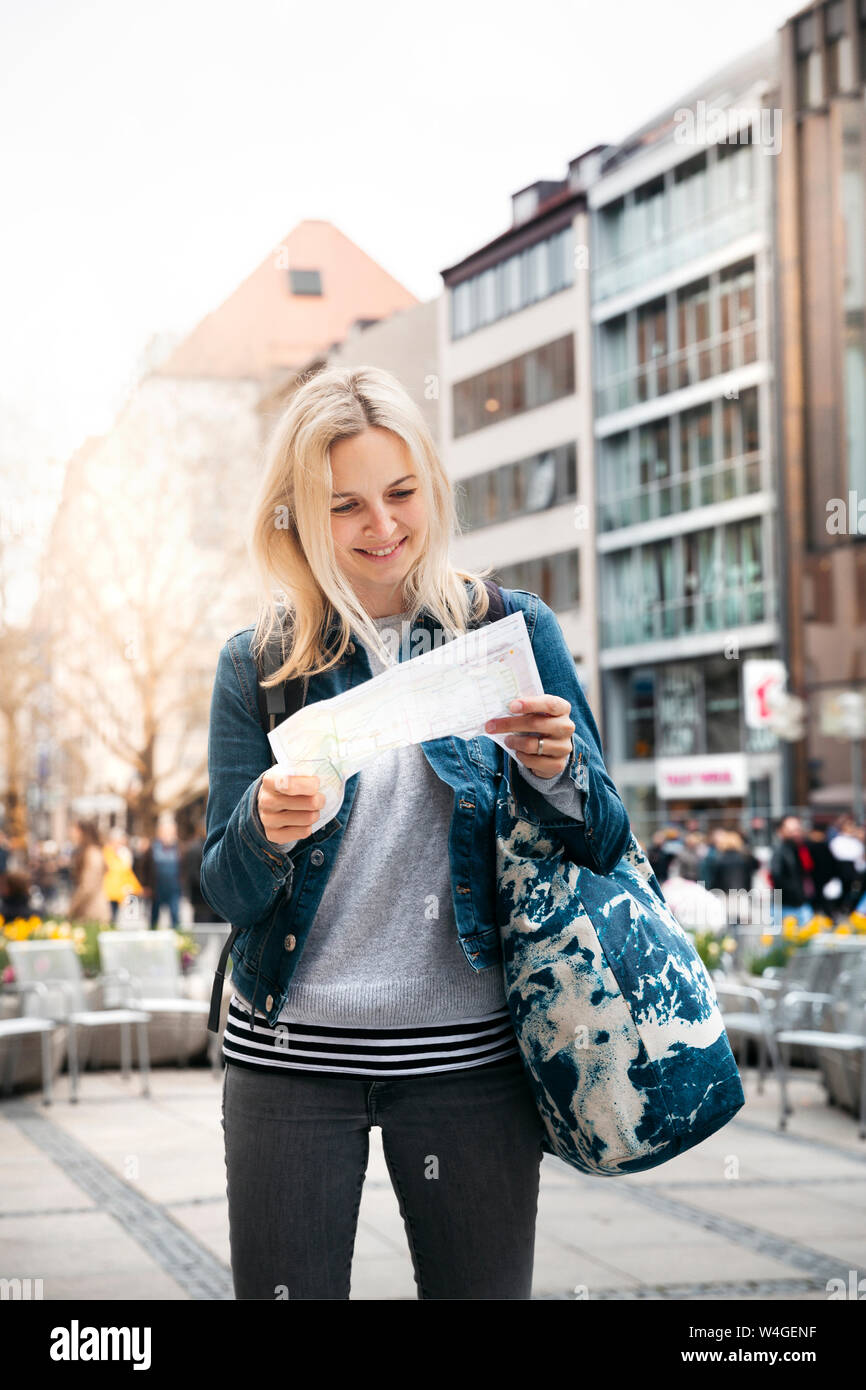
pixel 383 949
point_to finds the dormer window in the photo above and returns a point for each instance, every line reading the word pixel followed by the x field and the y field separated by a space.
pixel 305 281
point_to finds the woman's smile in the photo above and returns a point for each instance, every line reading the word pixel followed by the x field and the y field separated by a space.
pixel 375 554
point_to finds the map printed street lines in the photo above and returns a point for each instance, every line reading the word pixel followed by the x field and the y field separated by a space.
pixel 450 691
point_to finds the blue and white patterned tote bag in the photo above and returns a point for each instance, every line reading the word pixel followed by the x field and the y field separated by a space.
pixel 615 1014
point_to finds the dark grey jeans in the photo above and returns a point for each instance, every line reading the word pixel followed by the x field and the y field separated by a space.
pixel 463 1149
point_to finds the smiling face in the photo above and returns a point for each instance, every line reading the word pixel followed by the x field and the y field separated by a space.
pixel 376 505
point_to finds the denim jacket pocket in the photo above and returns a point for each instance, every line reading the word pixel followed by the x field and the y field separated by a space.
pixel 485 753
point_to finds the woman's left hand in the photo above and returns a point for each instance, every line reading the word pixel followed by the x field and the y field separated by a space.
pixel 547 717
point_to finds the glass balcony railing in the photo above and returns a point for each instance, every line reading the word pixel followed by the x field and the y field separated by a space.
pixel 716 482
pixel 688 242
pixel 683 617
pixel 673 371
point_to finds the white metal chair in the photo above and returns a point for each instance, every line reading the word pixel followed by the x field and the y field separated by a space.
pixel 143 969
pixel 837 1019
pixel 845 1012
pixel 14 1029
pixel 51 973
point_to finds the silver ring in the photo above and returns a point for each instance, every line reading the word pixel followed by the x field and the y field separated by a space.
pixel 540 745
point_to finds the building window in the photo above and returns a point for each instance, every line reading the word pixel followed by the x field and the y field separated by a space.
pixel 305 281
pixel 536 378
pixel 534 273
pixel 617 501
pixel 613 365
pixel 732 173
pixel 649 212
pixel 744 572
pixel 738 312
pixel 654 453
pixel 695 356
pixel 652 346
pixel 810 85
pixel 640 713
pixel 840 61
pixel 690 200
pixel 487 306
pixel 740 430
pixel 702 581
pixel 611 231
pixel 696 438
pixel 555 578
pixel 840 50
pixel 532 484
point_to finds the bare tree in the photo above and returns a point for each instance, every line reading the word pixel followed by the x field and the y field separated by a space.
pixel 136 581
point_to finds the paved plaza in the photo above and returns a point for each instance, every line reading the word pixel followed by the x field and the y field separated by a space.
pixel 122 1197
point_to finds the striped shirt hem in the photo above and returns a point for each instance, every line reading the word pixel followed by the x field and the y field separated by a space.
pixel 486 1042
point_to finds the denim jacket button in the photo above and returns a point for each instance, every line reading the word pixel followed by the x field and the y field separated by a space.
pixel 289 942
pixel 269 1002
pixel 317 857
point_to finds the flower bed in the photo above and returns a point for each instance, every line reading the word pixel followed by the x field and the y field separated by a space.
pixel 83 936
pixel 720 950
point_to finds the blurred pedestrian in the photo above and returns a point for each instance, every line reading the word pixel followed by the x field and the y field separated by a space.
pixel 662 851
pixel 825 873
pixel 120 881
pixel 88 902
pixel 691 857
pixel 15 894
pixel 733 866
pixel 45 874
pixel 191 877
pixel 848 848
pixel 792 869
pixel 163 858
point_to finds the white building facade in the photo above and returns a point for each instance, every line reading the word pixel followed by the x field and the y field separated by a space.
pixel 685 452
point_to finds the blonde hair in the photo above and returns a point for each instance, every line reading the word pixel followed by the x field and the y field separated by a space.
pixel 290 539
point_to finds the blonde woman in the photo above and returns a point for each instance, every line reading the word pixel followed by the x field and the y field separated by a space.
pixel 366 962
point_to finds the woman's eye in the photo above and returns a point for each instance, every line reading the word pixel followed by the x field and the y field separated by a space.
pixel 340 511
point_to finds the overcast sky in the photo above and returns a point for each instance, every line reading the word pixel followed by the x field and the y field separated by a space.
pixel 152 154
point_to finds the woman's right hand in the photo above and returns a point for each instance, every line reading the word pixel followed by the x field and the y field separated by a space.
pixel 288 805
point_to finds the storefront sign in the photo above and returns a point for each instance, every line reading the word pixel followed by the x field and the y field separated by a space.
pixel 722 775
pixel 763 682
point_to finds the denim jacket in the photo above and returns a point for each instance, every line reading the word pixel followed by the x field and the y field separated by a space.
pixel 270 896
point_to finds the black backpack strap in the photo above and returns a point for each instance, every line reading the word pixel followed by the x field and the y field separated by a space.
pixel 497 602
pixel 279 701
pixel 216 994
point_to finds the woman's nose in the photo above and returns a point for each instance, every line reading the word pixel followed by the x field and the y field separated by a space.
pixel 381 525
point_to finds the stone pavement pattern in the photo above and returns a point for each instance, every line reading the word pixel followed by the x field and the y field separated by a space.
pixel 120 1197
